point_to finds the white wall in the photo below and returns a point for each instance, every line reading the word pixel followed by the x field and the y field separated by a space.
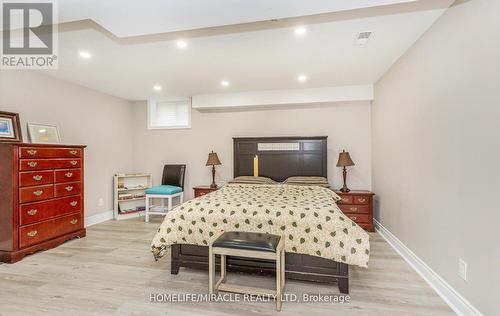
pixel 347 125
pixel 118 141
pixel 83 116
pixel 436 149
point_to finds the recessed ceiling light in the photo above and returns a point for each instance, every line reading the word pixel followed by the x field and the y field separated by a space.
pixel 157 87
pixel 300 30
pixel 224 83
pixel 181 44
pixel 302 78
pixel 84 54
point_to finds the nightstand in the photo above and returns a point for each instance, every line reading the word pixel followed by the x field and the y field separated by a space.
pixel 358 206
pixel 203 189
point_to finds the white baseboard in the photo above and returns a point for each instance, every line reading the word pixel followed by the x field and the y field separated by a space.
pixel 98 218
pixel 456 301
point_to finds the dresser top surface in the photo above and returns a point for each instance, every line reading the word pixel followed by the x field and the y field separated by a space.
pixel 41 145
pixel 355 192
pixel 205 187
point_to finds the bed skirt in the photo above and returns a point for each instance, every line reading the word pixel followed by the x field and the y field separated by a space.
pixel 298 266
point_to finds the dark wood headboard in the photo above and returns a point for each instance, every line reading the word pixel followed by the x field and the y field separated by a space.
pixel 281 157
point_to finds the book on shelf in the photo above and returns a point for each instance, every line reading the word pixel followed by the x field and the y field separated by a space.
pixel 125 196
pixel 128 196
pixel 137 187
pixel 122 175
pixel 132 210
pixel 128 211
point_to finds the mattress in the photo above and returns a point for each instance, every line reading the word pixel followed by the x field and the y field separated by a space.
pixel 306 216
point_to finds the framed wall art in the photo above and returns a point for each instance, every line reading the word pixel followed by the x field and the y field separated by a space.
pixel 10 127
pixel 43 134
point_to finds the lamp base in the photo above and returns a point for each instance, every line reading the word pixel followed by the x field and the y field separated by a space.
pixel 213 185
pixel 345 190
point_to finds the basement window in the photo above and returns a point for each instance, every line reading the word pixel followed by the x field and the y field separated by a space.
pixel 169 114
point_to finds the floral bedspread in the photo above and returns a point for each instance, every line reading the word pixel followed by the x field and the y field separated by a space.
pixel 306 216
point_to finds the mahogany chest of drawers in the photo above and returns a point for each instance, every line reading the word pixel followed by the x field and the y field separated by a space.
pixel 358 206
pixel 203 189
pixel 41 197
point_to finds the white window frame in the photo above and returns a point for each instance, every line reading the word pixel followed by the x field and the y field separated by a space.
pixel 152 102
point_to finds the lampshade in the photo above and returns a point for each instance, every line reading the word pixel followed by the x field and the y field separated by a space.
pixel 213 159
pixel 344 160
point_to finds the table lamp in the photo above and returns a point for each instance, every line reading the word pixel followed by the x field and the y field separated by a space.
pixel 345 161
pixel 213 160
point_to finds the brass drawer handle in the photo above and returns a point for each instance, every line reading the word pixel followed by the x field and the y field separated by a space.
pixel 353 209
pixel 32 233
pixel 74 221
pixel 68 174
pixel 37 177
pixel 32 212
pixel 69 188
pixel 38 192
pixel 73 162
pixel 362 200
pixel 32 164
pixel 73 152
pixel 345 199
pixel 31 152
pixel 74 203
pixel 354 218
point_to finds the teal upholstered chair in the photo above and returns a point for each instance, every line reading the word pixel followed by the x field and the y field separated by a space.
pixel 172 186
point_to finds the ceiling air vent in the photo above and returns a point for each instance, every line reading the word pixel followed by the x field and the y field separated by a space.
pixel 363 38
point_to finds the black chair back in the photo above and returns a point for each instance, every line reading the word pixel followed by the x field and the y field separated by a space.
pixel 174 175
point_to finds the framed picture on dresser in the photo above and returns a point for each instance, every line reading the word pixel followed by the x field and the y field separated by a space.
pixel 10 127
pixel 43 134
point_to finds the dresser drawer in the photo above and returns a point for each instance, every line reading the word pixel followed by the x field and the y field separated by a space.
pixel 355 209
pixel 40 211
pixel 41 192
pixel 35 233
pixel 64 189
pixel 361 199
pixel 359 218
pixel 367 226
pixel 31 152
pixel 40 164
pixel 345 199
pixel 68 175
pixel 201 191
pixel 35 178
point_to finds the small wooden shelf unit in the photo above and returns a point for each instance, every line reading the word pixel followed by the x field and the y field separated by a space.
pixel 129 194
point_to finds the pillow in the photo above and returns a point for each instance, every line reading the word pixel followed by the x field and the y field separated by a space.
pixel 253 180
pixel 318 181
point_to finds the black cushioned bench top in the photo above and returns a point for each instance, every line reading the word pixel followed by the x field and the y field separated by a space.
pixel 247 241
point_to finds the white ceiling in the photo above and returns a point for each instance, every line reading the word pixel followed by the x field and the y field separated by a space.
pixel 256 56
pixel 132 17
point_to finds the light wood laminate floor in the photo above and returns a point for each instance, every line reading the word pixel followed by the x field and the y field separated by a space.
pixel 112 272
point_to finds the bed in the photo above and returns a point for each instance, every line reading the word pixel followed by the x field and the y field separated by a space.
pixel 321 241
